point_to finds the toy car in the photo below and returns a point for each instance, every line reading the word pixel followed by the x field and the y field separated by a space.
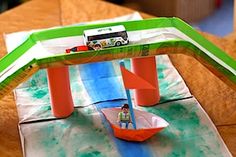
pixel 106 37
pixel 77 49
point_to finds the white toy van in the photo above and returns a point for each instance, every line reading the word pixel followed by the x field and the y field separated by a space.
pixel 106 37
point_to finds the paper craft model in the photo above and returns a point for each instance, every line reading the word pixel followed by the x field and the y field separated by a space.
pixel 172 36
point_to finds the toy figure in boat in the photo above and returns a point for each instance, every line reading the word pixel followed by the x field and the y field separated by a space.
pixel 124 116
pixel 144 124
pixel 147 125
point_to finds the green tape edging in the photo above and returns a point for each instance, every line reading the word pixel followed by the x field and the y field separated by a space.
pixel 130 26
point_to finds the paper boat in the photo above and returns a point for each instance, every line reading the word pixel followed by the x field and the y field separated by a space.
pixel 147 125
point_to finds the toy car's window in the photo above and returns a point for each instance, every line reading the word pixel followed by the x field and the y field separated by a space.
pixel 122 34
pixel 89 38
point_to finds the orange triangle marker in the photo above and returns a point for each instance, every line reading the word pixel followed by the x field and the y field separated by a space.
pixel 133 81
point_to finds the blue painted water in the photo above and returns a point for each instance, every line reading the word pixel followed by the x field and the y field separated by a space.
pixel 109 89
pixel 101 81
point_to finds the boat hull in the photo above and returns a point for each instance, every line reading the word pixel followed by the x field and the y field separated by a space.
pixel 148 125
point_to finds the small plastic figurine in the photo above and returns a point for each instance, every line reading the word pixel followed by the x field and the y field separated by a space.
pixel 124 116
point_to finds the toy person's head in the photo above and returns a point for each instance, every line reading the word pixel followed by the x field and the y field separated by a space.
pixel 125 108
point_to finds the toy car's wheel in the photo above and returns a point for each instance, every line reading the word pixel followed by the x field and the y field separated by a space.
pixel 67 50
pixel 118 43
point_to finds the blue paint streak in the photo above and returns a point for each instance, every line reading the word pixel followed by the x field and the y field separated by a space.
pixel 101 81
pixel 97 71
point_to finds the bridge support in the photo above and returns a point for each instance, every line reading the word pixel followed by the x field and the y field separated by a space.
pixel 60 91
pixel 146 69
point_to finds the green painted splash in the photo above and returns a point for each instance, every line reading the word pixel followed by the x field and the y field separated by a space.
pixel 51 144
pixel 38 79
pixel 185 134
pixel 84 138
pixel 39 93
pixel 45 108
pixel 36 86
pixel 163 84
pixel 93 153
pixel 73 72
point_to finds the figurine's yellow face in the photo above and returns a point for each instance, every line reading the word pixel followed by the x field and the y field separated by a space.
pixel 125 110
